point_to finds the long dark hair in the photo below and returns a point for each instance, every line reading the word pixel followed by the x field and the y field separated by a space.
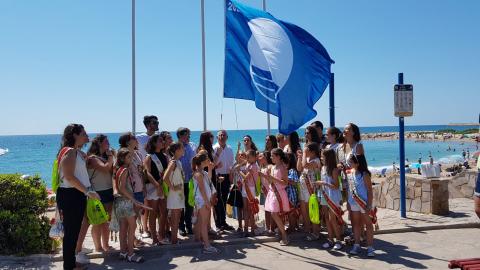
pixel 330 160
pixel 68 140
pixel 356 132
pixel 313 135
pixel 152 143
pixel 273 142
pixel 95 146
pixel 279 152
pixel 253 146
pixel 334 131
pixel 294 142
pixel 362 163
pixel 206 144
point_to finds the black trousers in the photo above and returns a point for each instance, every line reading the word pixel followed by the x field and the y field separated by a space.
pixel 71 203
pixel 186 217
pixel 223 189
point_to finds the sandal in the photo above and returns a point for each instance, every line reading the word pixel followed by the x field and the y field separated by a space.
pixel 284 242
pixel 135 258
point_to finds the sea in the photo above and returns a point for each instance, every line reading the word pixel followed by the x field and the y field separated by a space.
pixel 34 154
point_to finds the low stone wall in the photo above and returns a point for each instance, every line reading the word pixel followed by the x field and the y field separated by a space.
pixel 429 196
pixel 462 185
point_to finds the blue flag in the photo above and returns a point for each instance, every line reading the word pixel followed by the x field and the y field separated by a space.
pixel 280 66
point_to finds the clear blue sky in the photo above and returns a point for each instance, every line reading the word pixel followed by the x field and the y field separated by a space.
pixel 57 53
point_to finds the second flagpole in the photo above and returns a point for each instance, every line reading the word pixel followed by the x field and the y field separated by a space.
pixel 203 66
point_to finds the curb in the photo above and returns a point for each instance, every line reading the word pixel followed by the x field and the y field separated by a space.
pixel 39 258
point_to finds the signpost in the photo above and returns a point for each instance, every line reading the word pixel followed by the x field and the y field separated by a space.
pixel 403 103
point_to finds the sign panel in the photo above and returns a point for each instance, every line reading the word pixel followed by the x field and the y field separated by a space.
pixel 403 100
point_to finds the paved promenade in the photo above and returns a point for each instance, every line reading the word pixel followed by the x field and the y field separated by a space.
pixel 396 236
pixel 413 250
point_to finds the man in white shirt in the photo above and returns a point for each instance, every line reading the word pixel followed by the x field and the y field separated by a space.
pixel 151 124
pixel 226 159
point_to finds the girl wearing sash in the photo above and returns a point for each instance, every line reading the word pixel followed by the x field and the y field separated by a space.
pixel 124 206
pixel 155 164
pixel 248 191
pixel 308 163
pixel 265 161
pixel 277 199
pixel 204 194
pixel 175 177
pixel 329 186
pixel 360 199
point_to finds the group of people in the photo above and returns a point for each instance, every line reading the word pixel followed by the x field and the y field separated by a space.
pixel 173 187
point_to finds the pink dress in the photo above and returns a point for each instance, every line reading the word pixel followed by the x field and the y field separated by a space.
pixel 271 203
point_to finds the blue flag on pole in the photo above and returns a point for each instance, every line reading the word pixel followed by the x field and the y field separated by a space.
pixel 280 66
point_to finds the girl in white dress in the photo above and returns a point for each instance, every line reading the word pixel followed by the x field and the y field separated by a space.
pixel 175 177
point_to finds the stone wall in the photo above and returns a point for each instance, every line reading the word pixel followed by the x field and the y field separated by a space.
pixel 429 196
pixel 462 185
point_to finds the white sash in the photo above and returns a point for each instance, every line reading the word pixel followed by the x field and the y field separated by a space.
pixel 157 162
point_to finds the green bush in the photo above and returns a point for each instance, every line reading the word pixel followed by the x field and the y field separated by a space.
pixel 23 229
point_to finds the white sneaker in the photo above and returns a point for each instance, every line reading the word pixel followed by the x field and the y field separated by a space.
pixel 355 250
pixel 82 258
pixel 145 235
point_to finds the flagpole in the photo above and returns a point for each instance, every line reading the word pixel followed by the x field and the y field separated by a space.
pixel 133 66
pixel 203 66
pixel 264 7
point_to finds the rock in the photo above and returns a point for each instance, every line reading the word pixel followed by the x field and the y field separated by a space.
pixel 426 207
pixel 426 196
pixel 397 181
pixel 395 192
pixel 426 187
pixel 418 192
pixel 467 191
pixel 408 204
pixel 410 192
pixel 389 202
pixel 396 204
pixel 416 205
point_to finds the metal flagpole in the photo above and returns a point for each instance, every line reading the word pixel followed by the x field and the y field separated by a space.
pixel 264 7
pixel 203 66
pixel 133 66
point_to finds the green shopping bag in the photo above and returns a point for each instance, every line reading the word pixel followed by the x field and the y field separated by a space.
pixel 258 187
pixel 313 209
pixel 165 188
pixel 191 193
pixel 95 212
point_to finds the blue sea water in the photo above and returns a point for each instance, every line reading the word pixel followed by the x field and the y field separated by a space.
pixel 33 154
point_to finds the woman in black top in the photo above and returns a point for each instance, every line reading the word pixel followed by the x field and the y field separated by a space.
pixel 156 163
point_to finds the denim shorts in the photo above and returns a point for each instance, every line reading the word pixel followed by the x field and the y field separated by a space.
pixel 477 185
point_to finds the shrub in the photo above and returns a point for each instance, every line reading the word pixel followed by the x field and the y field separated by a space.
pixel 23 229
